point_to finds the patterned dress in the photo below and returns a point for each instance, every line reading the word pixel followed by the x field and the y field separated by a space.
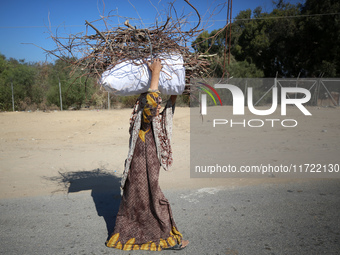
pixel 144 220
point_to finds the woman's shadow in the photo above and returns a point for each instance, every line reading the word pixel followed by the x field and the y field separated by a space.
pixel 105 191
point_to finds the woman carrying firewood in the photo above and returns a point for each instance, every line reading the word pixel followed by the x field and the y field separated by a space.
pixel 144 220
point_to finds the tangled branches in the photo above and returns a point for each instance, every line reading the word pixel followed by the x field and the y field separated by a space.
pixel 105 49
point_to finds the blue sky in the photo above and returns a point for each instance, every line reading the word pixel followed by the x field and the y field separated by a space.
pixel 28 21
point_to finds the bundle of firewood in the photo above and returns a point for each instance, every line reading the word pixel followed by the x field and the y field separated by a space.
pixel 95 53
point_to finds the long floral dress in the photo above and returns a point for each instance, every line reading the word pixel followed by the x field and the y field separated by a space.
pixel 144 220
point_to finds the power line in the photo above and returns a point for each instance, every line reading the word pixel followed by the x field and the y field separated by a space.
pixel 222 20
pixel 278 17
pixel 44 26
pixel 292 16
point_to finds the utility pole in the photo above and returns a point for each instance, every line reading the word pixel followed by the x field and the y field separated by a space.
pixel 227 45
pixel 61 99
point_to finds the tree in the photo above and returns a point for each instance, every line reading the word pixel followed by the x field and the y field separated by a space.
pixel 21 75
pixel 321 37
pixel 292 39
pixel 75 91
pixel 36 85
pixel 214 43
pixel 267 40
pixel 5 89
pixel 210 43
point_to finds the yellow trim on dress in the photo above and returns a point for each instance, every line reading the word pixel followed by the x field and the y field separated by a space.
pixel 175 237
pixel 129 244
pixel 113 240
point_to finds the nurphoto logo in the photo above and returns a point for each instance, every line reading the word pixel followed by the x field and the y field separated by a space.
pixel 239 99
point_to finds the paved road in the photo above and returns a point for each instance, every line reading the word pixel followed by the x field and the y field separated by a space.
pixel 295 218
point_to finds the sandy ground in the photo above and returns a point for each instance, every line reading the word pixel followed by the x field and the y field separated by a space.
pixel 38 146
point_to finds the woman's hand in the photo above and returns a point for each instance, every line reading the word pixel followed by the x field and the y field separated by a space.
pixel 156 66
pixel 155 69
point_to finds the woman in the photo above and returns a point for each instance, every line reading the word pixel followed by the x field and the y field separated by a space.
pixel 144 220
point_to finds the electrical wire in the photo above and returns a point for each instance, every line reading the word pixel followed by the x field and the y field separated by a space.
pixel 209 21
